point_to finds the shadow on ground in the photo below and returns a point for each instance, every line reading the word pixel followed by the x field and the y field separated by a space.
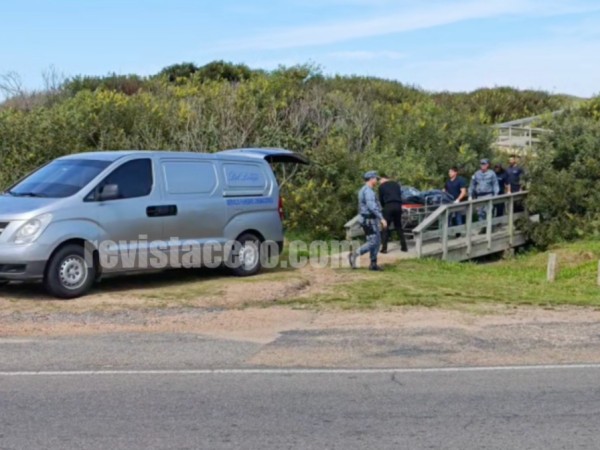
pixel 176 278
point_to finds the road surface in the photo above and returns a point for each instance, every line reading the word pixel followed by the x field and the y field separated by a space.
pixel 519 408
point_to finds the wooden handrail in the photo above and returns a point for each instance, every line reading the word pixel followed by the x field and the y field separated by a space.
pixel 431 219
pixel 443 214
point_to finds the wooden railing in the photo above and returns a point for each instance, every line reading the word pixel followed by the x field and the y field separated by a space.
pixel 519 137
pixel 436 227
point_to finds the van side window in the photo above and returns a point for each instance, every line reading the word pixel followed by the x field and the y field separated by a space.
pixel 244 176
pixel 189 177
pixel 134 178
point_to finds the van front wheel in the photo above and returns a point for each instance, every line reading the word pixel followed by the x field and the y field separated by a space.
pixel 246 257
pixel 68 274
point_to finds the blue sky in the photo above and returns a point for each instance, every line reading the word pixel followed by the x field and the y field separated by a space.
pixel 435 44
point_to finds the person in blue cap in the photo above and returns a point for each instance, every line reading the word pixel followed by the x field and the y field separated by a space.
pixel 483 184
pixel 371 220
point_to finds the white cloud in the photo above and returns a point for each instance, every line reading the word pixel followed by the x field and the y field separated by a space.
pixel 584 29
pixel 413 16
pixel 322 3
pixel 366 55
pixel 561 66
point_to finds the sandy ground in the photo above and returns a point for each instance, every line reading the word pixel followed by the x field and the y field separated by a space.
pixel 236 311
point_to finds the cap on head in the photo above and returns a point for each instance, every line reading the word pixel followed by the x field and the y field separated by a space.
pixel 484 161
pixel 370 175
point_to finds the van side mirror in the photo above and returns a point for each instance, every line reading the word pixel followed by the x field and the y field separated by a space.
pixel 108 192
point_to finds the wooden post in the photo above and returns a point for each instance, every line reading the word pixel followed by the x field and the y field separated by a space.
pixel 511 220
pixel 446 218
pixel 490 218
pixel 469 227
pixel 419 242
pixel 552 267
pixel 530 137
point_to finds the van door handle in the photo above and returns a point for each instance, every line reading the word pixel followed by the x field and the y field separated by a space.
pixel 161 210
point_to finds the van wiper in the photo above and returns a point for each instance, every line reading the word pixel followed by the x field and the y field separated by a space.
pixel 25 194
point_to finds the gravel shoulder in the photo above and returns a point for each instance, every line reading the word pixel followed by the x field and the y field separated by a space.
pixel 246 312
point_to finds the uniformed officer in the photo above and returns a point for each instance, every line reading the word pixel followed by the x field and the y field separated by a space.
pixel 483 184
pixel 513 175
pixel 371 220
pixel 390 199
pixel 502 176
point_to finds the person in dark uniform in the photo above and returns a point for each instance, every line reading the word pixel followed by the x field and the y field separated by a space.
pixel 390 197
pixel 513 175
pixel 456 186
pixel 502 176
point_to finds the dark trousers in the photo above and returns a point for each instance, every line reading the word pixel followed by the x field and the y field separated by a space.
pixel 392 213
pixel 373 235
pixel 519 206
pixel 499 209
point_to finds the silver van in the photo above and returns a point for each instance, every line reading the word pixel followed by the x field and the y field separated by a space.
pixel 135 209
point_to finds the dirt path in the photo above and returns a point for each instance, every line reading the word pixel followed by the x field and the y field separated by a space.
pixel 235 310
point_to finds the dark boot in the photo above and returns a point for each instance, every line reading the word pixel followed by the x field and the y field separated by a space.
pixel 352 260
pixel 374 267
pixel 383 249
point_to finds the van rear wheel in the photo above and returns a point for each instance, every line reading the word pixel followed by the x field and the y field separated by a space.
pixel 246 257
pixel 68 274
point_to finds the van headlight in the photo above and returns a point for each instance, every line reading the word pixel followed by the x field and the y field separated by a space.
pixel 32 229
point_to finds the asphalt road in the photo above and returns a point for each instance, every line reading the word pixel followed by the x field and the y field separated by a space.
pixel 544 408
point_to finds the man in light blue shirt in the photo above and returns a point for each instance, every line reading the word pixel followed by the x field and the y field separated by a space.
pixel 371 220
pixel 483 184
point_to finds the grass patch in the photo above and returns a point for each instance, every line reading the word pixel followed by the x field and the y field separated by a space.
pixel 433 283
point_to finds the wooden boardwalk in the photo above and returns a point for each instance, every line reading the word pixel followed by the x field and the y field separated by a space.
pixel 520 136
pixel 434 237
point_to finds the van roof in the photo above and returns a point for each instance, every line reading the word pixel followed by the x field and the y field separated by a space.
pixel 113 155
pixel 270 154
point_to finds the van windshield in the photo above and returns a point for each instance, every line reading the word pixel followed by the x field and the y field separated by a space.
pixel 60 178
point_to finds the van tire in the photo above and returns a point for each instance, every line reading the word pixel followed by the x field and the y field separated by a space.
pixel 247 248
pixel 68 275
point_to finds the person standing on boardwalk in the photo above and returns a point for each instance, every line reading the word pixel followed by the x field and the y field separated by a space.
pixel 371 219
pixel 502 176
pixel 390 197
pixel 456 186
pixel 483 184
pixel 513 176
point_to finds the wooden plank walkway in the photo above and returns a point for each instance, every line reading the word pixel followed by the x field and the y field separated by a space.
pixel 435 238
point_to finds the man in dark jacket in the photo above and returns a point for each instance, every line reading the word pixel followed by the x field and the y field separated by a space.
pixel 502 185
pixel 514 173
pixel 390 197
pixel 456 186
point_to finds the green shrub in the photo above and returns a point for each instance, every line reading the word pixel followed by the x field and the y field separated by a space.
pixel 345 125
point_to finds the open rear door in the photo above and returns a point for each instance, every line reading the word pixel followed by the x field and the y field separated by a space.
pixel 271 155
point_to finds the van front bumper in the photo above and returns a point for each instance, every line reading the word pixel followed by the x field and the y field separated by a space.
pixel 21 263
pixel 30 271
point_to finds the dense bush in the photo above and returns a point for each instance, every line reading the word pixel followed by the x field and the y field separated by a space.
pixel 502 104
pixel 565 177
pixel 344 124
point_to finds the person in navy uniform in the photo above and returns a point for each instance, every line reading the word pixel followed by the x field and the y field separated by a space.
pixel 514 173
pixel 456 186
pixel 483 184
pixel 503 186
pixel 390 197
pixel 371 219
